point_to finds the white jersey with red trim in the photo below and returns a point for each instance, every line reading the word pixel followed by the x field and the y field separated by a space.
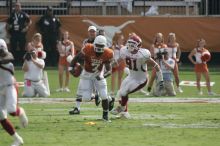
pixel 6 78
pixel 136 62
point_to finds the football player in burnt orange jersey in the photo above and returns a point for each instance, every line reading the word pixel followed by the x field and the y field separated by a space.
pixel 97 66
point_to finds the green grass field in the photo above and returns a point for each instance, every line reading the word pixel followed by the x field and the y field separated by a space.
pixel 196 124
pixel 152 124
pixel 184 75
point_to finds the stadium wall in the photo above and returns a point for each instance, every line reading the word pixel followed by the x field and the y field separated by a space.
pixel 187 29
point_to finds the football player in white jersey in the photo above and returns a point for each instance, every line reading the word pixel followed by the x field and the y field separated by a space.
pixel 136 59
pixel 8 95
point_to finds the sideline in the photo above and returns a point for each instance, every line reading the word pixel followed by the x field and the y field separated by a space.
pixel 134 100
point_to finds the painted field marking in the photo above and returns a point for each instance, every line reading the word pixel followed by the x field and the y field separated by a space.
pixel 193 83
pixel 190 126
pixel 20 84
pixel 134 100
pixel 135 116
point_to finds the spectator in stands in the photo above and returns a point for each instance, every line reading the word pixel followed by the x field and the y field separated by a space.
pixel 174 53
pixel 49 26
pixel 33 68
pixel 66 53
pixel 18 24
pixel 201 67
pixel 167 65
pixel 118 68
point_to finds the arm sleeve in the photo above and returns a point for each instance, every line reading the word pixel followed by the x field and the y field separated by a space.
pixel 11 67
pixel 146 54
pixel 41 62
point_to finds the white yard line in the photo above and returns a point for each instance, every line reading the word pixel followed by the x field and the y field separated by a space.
pixel 202 125
pixel 136 100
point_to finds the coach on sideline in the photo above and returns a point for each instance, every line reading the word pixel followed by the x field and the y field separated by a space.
pixel 49 26
pixel 18 24
pixel 33 68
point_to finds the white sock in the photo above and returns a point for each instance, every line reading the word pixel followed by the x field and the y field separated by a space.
pixel 78 104
pixel 16 136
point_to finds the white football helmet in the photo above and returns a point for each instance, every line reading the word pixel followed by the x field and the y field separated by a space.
pixel 134 43
pixel 100 43
pixel 3 45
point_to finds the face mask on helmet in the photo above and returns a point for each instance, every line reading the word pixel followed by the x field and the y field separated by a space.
pixel 99 48
pixel 99 44
pixel 3 48
pixel 132 45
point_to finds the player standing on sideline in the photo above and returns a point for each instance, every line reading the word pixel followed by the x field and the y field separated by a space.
pixel 157 47
pixel 201 67
pixel 92 33
pixel 174 52
pixel 136 59
pixel 66 51
pixel 49 26
pixel 17 25
pixel 8 95
pixel 96 57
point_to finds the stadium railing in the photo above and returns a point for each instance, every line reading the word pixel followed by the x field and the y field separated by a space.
pixel 114 7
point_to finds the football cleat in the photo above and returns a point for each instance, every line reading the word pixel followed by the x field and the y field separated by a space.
pixel 105 117
pixel 74 111
pixel 118 110
pixel 125 115
pixel 111 104
pixel 23 118
pixel 18 141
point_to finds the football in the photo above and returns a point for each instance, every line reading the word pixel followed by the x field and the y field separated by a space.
pixel 206 56
pixel 41 54
pixel 76 70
